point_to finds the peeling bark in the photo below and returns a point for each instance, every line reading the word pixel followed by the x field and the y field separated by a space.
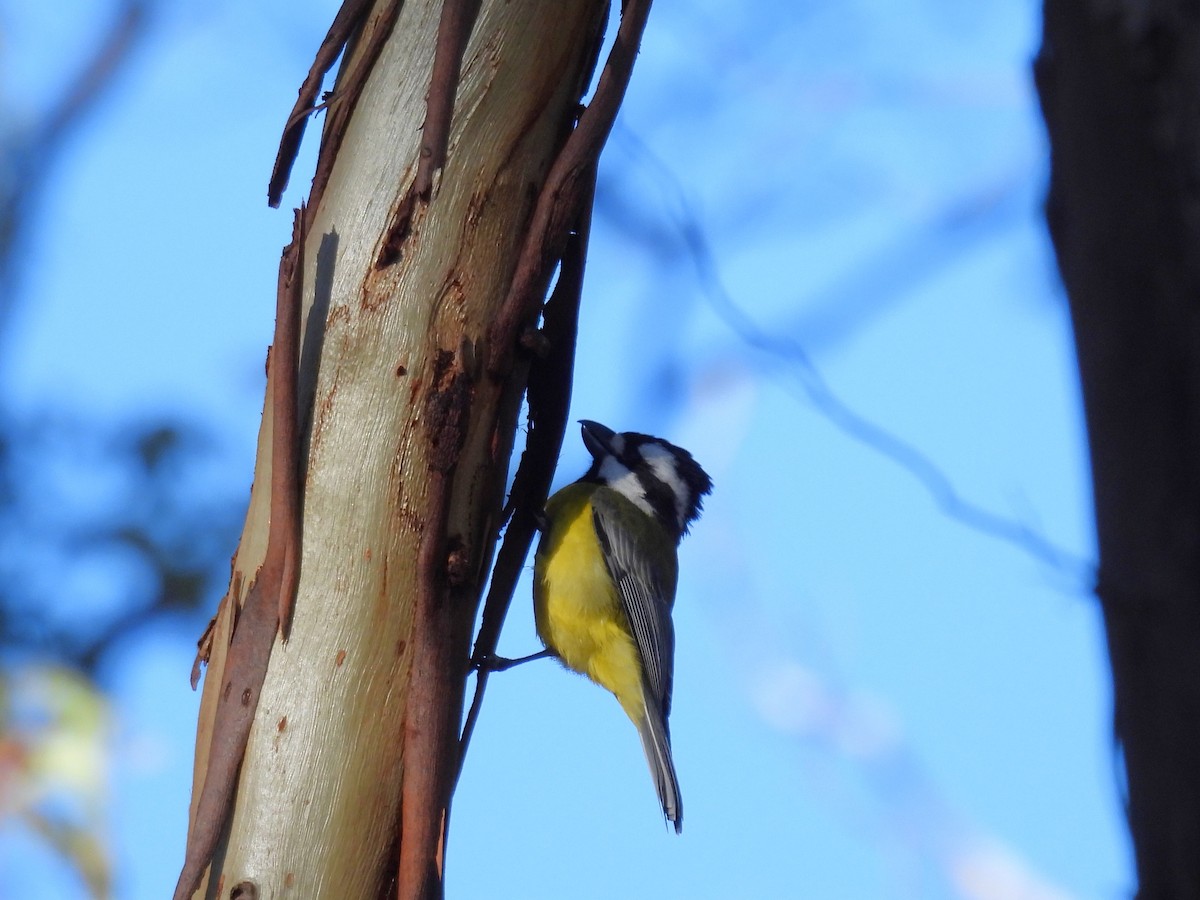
pixel 408 412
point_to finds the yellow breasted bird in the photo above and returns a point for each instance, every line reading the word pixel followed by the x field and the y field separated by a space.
pixel 604 580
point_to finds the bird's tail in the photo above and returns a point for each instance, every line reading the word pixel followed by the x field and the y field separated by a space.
pixel 656 742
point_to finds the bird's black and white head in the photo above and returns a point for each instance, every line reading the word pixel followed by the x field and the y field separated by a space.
pixel 659 478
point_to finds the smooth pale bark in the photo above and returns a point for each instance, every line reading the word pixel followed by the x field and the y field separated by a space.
pixel 317 807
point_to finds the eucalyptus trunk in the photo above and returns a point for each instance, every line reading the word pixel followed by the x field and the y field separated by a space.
pixel 399 295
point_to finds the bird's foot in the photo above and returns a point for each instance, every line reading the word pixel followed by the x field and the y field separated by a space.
pixel 493 663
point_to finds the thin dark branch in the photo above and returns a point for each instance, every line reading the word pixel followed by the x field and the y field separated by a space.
pixel 561 220
pixel 550 378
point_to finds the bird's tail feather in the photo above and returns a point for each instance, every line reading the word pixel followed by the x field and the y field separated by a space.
pixel 656 742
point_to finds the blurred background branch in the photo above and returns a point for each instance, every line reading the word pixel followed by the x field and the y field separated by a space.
pixel 105 526
pixel 32 148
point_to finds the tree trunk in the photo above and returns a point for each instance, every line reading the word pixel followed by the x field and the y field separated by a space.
pixel 1120 89
pixel 398 299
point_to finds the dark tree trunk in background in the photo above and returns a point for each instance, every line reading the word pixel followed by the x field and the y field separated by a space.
pixel 1120 91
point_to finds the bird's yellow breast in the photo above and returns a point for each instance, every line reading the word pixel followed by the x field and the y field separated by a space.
pixel 575 602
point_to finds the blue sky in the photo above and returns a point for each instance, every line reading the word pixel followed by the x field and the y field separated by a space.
pixel 872 699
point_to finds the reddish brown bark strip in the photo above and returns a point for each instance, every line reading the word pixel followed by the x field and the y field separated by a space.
pixel 454 29
pixel 376 31
pixel 435 682
pixel 431 761
pixel 285 437
pixel 373 28
pixel 560 195
pixel 259 620
pixel 348 18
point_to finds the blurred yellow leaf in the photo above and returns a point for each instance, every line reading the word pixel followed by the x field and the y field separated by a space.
pixel 54 749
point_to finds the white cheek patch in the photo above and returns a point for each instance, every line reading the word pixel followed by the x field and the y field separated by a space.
pixel 624 482
pixel 662 463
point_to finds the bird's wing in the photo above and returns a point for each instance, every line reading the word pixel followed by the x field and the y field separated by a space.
pixel 645 593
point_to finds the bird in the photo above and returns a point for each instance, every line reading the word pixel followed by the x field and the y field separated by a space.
pixel 605 573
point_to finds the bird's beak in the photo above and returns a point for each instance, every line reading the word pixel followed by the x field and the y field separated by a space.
pixel 596 438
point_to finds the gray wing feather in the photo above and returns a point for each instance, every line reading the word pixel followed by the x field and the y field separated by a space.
pixel 656 743
pixel 641 592
pixel 647 606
